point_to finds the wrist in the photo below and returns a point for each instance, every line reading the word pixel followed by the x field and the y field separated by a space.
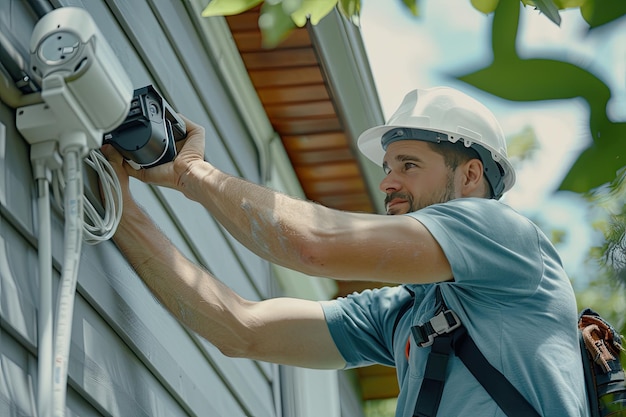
pixel 195 182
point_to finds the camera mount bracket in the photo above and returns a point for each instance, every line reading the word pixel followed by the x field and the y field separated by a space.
pixel 59 118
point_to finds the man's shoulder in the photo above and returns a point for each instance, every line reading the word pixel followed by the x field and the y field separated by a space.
pixel 466 203
pixel 467 227
pixel 477 211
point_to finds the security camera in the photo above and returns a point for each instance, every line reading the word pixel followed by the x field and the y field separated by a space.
pixel 83 83
pixel 66 42
pixel 146 138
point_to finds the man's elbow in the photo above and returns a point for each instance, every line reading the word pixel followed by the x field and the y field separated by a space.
pixel 240 340
pixel 313 258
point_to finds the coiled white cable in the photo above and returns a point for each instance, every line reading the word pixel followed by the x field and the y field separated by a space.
pixel 96 228
pixel 99 228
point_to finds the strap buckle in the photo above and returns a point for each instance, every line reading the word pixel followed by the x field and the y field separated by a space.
pixel 444 322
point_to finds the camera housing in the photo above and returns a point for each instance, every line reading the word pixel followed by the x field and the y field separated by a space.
pixel 84 86
pixel 66 42
pixel 147 137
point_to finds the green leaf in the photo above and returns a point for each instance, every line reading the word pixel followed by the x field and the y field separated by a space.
pixel 568 4
pixel 504 30
pixel 548 8
pixel 522 145
pixel 313 10
pixel 485 6
pixel 228 7
pixel 351 9
pixel 600 12
pixel 598 164
pixel 560 4
pixel 558 236
pixel 289 6
pixel 539 79
pixel 274 23
pixel 412 6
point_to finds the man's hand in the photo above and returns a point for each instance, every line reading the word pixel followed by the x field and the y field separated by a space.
pixel 190 151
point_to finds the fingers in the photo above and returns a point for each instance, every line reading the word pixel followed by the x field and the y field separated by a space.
pixel 111 154
pixel 122 169
pixel 191 151
pixel 191 126
pixel 194 144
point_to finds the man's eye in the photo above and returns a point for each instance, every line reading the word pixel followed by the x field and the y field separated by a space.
pixel 409 165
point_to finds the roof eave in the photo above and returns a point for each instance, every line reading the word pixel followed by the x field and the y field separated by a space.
pixel 345 64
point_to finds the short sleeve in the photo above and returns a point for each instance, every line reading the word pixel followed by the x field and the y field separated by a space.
pixel 361 324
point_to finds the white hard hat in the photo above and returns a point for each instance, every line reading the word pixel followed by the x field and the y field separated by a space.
pixel 443 113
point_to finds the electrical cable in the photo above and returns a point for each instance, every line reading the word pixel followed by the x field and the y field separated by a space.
pixel 11 59
pixel 96 228
pixel 45 313
pixel 73 196
pixel 83 222
pixel 14 59
pixel 17 88
pixel 40 7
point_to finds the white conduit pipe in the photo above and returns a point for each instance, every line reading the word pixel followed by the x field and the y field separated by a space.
pixel 72 249
pixel 45 319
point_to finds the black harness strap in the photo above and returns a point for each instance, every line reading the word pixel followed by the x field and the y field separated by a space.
pixel 434 377
pixel 501 390
pixel 458 340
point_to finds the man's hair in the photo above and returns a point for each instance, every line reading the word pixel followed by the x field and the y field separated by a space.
pixel 455 154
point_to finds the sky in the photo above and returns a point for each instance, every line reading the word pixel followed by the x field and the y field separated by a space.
pixel 451 37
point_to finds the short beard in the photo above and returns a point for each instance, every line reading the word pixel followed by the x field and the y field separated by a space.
pixel 446 194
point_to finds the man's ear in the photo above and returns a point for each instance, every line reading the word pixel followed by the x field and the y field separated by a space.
pixel 473 184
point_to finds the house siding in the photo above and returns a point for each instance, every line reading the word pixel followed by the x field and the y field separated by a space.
pixel 129 356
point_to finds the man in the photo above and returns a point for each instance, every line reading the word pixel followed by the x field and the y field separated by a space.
pixel 445 162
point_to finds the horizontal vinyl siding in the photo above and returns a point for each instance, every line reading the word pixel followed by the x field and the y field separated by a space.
pixel 129 356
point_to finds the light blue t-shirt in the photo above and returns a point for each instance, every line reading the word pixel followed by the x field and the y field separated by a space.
pixel 511 293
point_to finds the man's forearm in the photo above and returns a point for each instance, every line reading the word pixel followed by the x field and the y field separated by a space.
pixel 280 330
pixel 273 225
pixel 188 292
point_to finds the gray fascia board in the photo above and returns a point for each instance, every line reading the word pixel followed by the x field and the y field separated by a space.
pixel 346 67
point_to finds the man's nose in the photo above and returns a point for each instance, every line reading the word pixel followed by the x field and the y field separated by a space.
pixel 390 183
